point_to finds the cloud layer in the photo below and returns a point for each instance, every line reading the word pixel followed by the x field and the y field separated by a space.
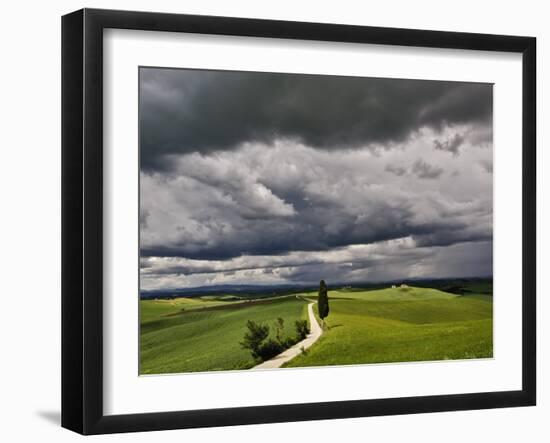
pixel 184 111
pixel 272 178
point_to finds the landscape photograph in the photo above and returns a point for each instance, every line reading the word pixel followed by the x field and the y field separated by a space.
pixel 297 220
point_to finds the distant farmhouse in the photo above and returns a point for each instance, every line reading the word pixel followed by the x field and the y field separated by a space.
pixel 402 285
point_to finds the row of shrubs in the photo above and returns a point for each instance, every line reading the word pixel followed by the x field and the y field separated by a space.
pixel 262 347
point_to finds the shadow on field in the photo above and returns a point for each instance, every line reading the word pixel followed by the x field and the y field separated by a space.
pixel 233 305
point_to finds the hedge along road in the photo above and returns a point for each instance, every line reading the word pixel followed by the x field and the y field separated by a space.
pixel 290 353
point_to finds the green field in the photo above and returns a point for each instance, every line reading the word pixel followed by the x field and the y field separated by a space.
pixel 205 336
pixel 397 325
pixel 364 326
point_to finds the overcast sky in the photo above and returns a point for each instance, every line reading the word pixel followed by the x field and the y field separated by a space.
pixel 260 178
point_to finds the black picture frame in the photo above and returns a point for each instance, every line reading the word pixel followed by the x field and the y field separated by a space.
pixel 82 218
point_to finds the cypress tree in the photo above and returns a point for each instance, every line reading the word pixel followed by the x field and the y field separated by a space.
pixel 322 301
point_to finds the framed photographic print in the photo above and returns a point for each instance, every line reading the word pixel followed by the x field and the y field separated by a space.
pixel 269 221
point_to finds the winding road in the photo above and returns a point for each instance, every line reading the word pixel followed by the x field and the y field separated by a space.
pixel 290 353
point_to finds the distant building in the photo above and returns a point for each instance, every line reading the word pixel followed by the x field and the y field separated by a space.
pixel 393 286
pixel 403 285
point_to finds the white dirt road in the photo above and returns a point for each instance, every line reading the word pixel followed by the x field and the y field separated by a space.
pixel 290 353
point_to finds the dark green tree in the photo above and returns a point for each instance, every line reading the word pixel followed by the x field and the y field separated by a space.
pixel 279 329
pixel 254 337
pixel 302 329
pixel 322 301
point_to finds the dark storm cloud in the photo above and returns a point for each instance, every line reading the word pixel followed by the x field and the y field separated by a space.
pixel 380 262
pixel 447 237
pixel 293 198
pixel 191 266
pixel 184 111
pixel 451 145
pixel 307 233
pixel 425 170
pixel 397 170
pixel 270 178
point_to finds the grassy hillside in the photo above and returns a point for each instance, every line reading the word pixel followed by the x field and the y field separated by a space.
pixel 156 309
pixel 397 325
pixel 366 326
pixel 392 294
pixel 187 335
